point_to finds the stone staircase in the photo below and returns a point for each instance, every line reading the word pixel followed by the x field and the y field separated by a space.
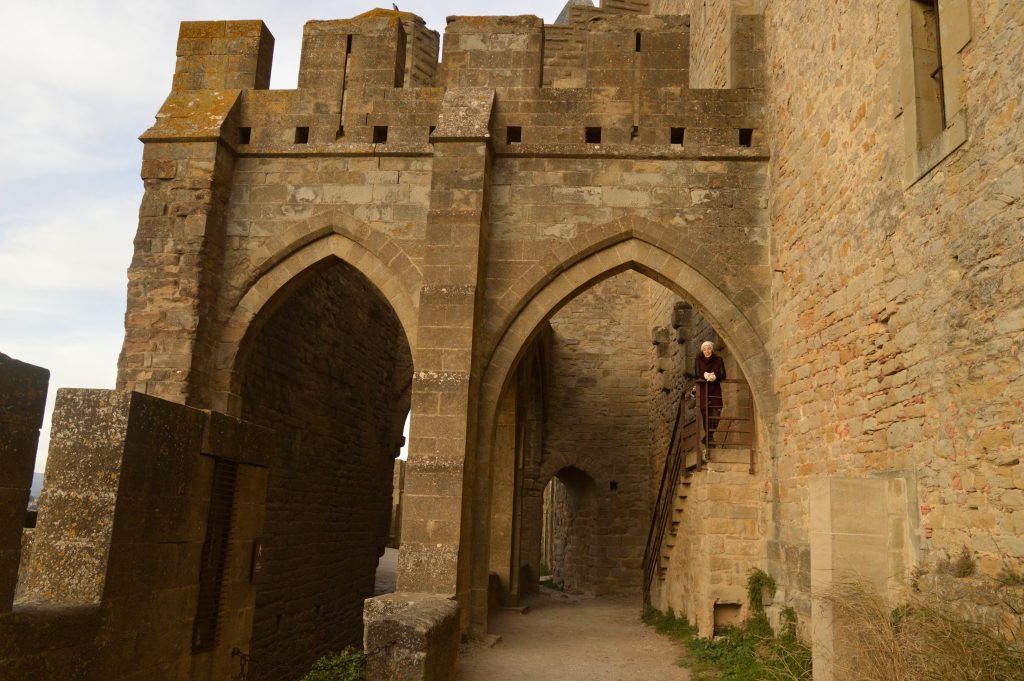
pixel 722 460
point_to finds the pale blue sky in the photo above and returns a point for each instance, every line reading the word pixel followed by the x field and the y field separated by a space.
pixel 80 82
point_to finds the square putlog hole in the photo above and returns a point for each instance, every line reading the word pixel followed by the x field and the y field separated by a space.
pixel 380 134
pixel 244 135
pixel 514 135
pixel 677 136
pixel 593 135
pixel 746 137
pixel 302 135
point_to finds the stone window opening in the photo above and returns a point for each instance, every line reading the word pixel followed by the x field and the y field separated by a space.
pixel 929 104
pixel 302 135
pixel 514 134
pixel 639 41
pixel 244 135
pixel 593 135
pixel 746 137
pixel 348 44
pixel 380 134
pixel 677 136
pixel 925 34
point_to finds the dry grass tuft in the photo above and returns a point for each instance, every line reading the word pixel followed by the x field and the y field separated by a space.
pixel 929 638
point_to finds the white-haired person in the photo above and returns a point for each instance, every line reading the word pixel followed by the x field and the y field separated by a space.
pixel 709 370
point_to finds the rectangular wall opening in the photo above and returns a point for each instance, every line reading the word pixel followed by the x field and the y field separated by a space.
pixel 348 45
pixel 638 42
pixel 302 135
pixel 341 132
pixel 746 137
pixel 215 555
pixel 593 135
pixel 514 135
pixel 677 136
pixel 727 615
pixel 244 135
pixel 380 134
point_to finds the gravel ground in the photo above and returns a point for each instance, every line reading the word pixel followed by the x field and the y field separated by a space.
pixel 571 638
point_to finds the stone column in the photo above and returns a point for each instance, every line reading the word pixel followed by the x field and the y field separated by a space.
pixel 22 401
pixel 421 642
pixel 443 408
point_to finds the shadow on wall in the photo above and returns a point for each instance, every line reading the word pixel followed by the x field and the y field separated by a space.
pixel 330 363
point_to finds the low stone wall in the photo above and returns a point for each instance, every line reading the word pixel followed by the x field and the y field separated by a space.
pixel 113 586
pixel 411 637
pixel 22 400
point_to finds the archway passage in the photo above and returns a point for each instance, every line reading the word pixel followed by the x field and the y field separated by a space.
pixel 605 380
pixel 593 398
pixel 327 363
pixel 570 514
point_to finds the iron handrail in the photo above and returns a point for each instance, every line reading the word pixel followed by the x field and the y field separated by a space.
pixel 662 510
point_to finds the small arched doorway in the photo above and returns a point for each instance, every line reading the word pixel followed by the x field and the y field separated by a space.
pixel 567 542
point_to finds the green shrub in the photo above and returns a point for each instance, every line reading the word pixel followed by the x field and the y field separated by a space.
pixel 749 653
pixel 348 665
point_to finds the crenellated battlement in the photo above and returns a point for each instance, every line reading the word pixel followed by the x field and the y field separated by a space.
pixel 374 84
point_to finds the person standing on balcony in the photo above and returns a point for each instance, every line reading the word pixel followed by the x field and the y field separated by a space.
pixel 709 370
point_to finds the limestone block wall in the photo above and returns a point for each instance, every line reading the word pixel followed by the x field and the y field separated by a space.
pixel 113 584
pixel 679 330
pixel 331 367
pixel 517 506
pixel 897 316
pixel 719 540
pixel 712 27
pixel 711 211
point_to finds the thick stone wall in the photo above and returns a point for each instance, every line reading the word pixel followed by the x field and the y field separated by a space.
pixel 331 366
pixel 112 588
pixel 668 380
pixel 898 321
pixel 597 420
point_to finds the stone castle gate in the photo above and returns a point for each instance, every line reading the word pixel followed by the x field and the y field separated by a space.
pixel 397 235
pixel 472 203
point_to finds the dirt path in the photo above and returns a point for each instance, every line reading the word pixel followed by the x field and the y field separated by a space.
pixel 573 639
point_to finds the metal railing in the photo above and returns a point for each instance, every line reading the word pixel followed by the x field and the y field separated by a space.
pixel 666 491
pixel 733 429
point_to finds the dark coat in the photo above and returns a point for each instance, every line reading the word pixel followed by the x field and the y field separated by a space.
pixel 709 393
